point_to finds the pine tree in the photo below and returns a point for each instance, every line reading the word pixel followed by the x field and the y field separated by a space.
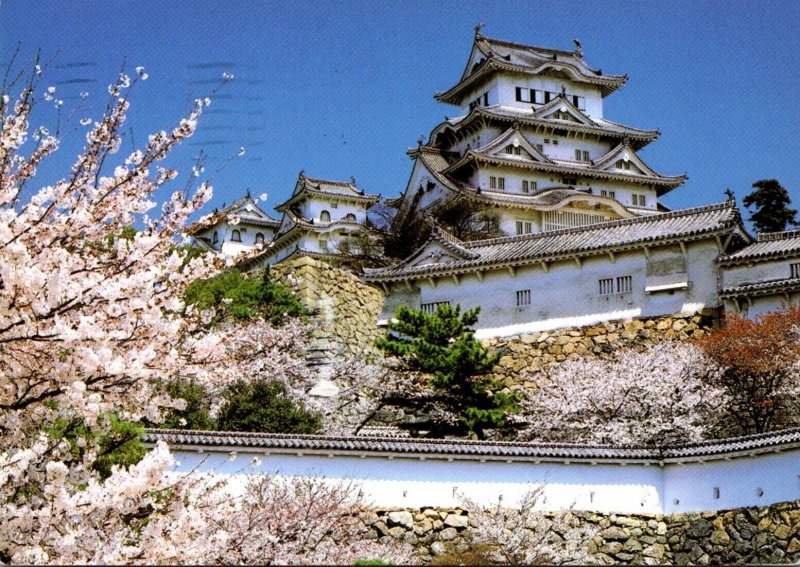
pixel 771 201
pixel 443 344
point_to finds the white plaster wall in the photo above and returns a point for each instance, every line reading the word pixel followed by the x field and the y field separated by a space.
pixel 437 482
pixel 567 295
pixel 690 487
pixel 757 272
pixel 313 207
pixel 609 488
pixel 759 306
pixel 247 232
pixel 505 89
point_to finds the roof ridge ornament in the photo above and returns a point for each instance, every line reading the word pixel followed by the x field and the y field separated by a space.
pixel 478 29
pixel 578 47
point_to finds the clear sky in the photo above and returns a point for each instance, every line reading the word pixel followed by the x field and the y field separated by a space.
pixel 342 89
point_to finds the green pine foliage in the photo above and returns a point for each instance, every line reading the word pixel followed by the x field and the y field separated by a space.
pixel 444 345
pixel 196 415
pixel 119 445
pixel 264 406
pixel 245 298
pixel 771 203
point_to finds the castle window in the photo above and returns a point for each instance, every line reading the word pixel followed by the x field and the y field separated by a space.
pixel 513 150
pixel 259 238
pixel 622 164
pixel 555 142
pixel 236 236
pixel 538 97
pixel 492 182
pixel 579 102
pixel 528 186
pixel 795 270
pixel 569 180
pixel 334 205
pixel 639 200
pixel 325 216
pixel 524 95
pixel 430 308
pixel 523 298
pixel 350 217
pixel 611 194
pixel 547 140
pixel 606 286
pixel 524 227
pixel 323 243
pixel 539 147
pixel 215 239
pixel 501 183
pixel 581 155
pixel 624 284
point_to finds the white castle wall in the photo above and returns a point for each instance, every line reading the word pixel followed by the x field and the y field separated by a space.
pixel 408 482
pixel 567 295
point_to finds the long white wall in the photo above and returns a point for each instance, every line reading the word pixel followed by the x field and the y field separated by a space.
pixel 567 295
pixel 609 488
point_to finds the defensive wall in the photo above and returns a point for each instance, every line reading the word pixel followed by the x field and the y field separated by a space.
pixel 726 501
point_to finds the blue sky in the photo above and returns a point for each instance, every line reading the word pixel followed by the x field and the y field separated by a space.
pixel 342 89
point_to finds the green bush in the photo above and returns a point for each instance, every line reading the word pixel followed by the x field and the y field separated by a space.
pixel 198 405
pixel 443 344
pixel 263 406
pixel 240 297
pixel 121 445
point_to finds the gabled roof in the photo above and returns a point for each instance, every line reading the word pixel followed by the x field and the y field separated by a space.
pixel 491 55
pixel 512 137
pixel 599 169
pixel 310 187
pixel 475 450
pixel 767 246
pixel 601 238
pixel 601 127
pixel 245 208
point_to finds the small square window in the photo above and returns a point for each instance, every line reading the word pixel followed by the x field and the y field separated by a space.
pixel 624 284
pixel 795 270
pixel 523 298
pixel 606 286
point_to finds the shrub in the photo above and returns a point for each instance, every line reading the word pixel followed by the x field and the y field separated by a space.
pixel 760 360
pixel 233 295
pixel 196 414
pixel 444 345
pixel 263 406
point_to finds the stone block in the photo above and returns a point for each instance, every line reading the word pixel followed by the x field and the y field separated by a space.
pixel 448 534
pixel 456 521
pixel 402 518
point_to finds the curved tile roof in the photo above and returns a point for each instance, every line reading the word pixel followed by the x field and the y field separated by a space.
pixel 599 126
pixel 582 241
pixel 767 246
pixel 761 288
pixel 476 450
pixel 527 59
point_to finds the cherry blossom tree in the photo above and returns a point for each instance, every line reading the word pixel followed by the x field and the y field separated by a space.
pixel 664 394
pixel 91 317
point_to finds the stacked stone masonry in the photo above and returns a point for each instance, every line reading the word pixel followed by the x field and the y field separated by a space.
pixel 346 308
pixel 524 354
pixel 738 536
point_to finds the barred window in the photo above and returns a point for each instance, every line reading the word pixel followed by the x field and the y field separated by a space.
pixel 606 286
pixel 524 227
pixel 795 270
pixel 430 308
pixel 523 297
pixel 624 284
pixel 236 236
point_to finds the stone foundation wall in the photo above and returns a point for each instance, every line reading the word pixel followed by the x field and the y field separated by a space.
pixel 531 353
pixel 743 535
pixel 346 308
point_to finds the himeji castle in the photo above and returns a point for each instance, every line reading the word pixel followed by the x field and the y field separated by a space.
pixel 578 232
pixel 582 235
pixel 530 142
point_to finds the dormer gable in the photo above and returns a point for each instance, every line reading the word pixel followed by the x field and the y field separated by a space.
pixel 440 248
pixel 623 160
pixel 512 144
pixel 563 110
